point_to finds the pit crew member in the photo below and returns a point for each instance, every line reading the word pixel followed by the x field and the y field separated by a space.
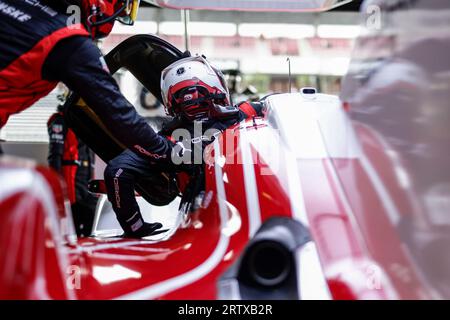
pixel 193 92
pixel 43 42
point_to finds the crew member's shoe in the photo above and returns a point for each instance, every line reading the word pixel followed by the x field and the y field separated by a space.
pixel 148 229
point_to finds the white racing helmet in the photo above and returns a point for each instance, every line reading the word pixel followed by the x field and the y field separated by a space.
pixel 193 88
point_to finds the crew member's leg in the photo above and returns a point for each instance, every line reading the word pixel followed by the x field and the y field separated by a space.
pixel 84 207
pixel 120 176
pixel 83 212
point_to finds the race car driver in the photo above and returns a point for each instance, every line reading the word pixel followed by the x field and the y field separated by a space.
pixel 193 92
pixel 41 44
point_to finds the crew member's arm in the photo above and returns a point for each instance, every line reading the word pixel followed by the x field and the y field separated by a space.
pixel 78 63
pixel 56 133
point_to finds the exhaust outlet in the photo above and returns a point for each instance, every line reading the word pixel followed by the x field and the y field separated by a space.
pixel 267 268
pixel 269 263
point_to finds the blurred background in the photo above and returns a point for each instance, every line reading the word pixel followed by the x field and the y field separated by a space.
pixel 251 48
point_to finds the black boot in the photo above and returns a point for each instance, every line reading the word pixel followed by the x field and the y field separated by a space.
pixel 148 229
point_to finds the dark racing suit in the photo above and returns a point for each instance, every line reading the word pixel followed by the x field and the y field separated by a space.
pixel 73 159
pixel 122 172
pixel 38 49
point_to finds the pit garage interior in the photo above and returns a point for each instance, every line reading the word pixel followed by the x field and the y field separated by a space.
pixel 318 45
pixel 343 191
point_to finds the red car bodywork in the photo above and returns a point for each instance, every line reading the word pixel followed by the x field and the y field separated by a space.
pixel 42 260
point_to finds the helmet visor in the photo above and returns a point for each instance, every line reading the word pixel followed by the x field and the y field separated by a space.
pixel 130 13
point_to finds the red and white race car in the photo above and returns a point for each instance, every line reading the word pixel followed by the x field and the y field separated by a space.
pixel 311 201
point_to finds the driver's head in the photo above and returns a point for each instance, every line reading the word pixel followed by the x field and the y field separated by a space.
pixel 99 16
pixel 195 90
